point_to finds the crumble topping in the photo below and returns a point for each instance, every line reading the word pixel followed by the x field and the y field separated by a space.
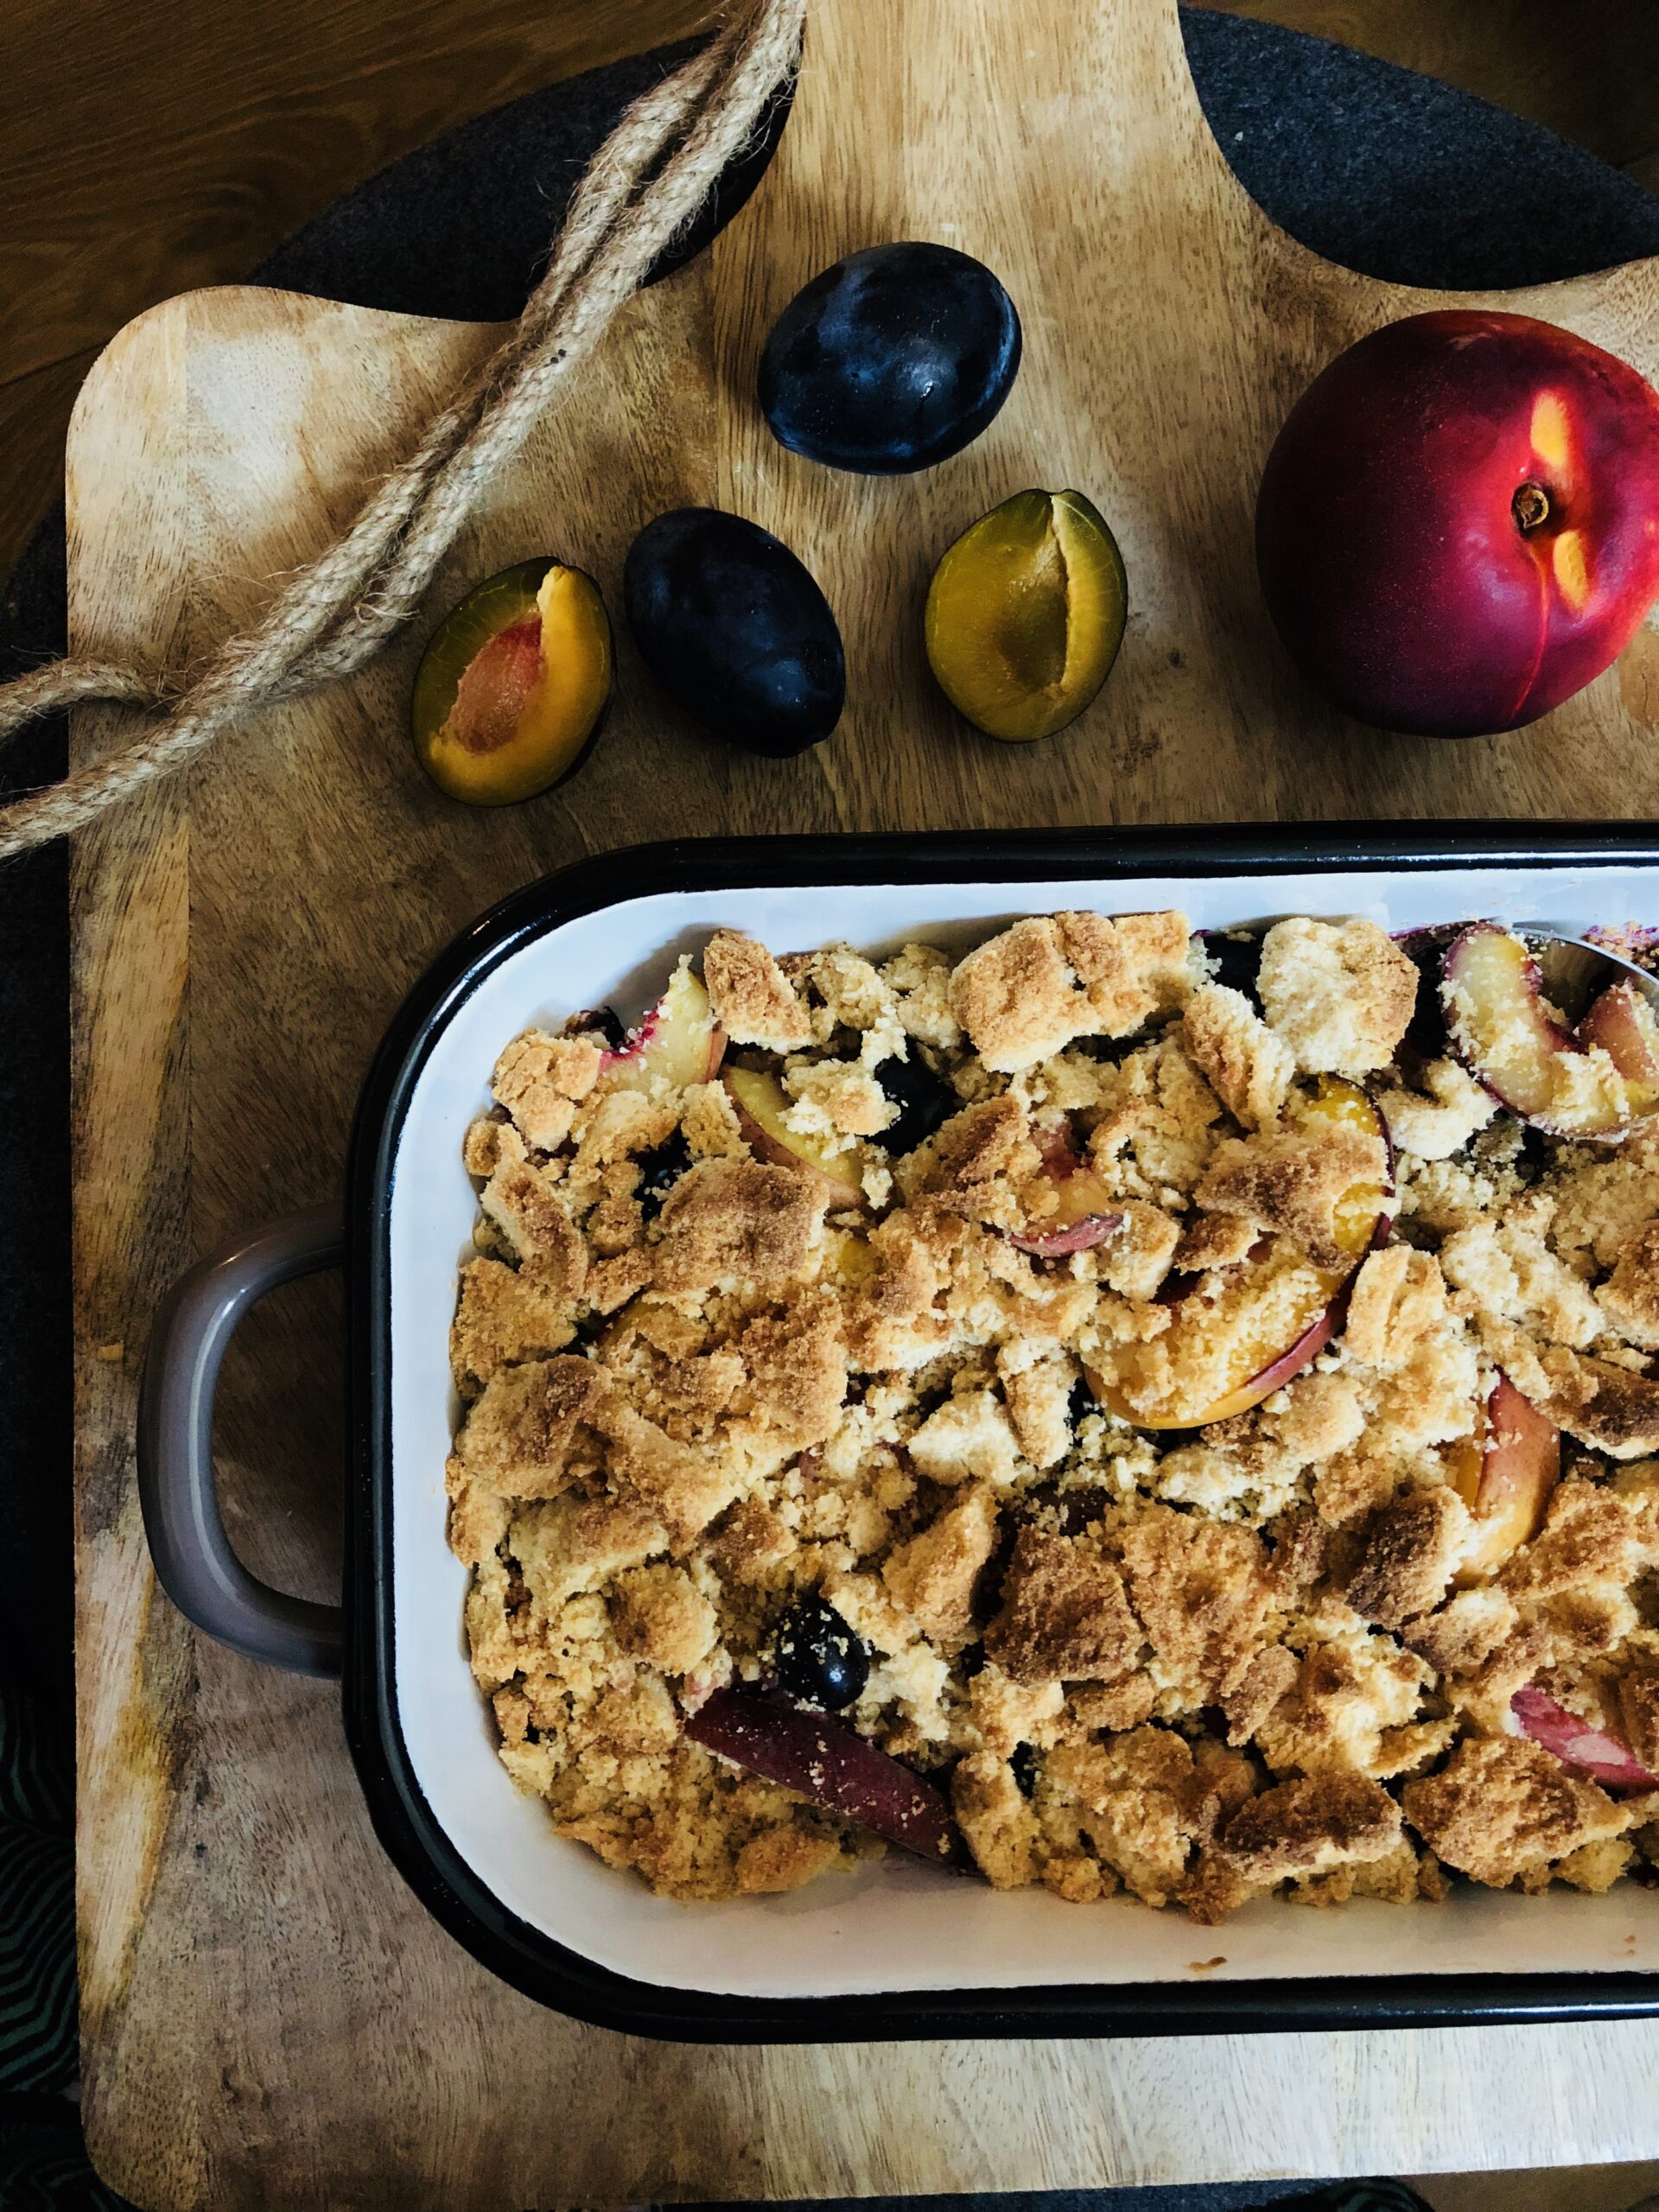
pixel 1124 1405
pixel 1340 993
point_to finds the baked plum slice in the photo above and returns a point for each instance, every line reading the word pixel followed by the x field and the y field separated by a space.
pixel 1287 1309
pixel 513 684
pixel 762 1104
pixel 1084 1212
pixel 675 1043
pixel 831 1765
pixel 1512 1041
pixel 1621 1021
pixel 1505 1477
pixel 1578 1743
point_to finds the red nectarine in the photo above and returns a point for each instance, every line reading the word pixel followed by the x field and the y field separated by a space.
pixel 1457 526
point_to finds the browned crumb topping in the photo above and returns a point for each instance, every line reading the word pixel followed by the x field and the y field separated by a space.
pixel 1064 1614
pixel 1340 993
pixel 1164 1612
pixel 1505 1810
pixel 752 999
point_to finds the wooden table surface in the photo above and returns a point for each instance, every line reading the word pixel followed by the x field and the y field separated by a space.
pixel 269 2016
pixel 146 146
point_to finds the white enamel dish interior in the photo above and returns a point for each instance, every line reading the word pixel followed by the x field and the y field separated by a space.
pixel 897 1925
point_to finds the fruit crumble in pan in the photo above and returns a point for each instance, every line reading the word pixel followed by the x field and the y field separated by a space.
pixel 1123 1409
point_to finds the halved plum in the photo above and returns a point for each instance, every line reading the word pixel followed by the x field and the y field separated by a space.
pixel 513 684
pixel 1285 1309
pixel 833 1766
pixel 762 1103
pixel 677 1044
pixel 1083 1214
pixel 1026 613
pixel 1513 1042
pixel 1505 1476
pixel 1579 1743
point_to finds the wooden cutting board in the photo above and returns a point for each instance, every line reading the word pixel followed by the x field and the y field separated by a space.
pixel 269 2017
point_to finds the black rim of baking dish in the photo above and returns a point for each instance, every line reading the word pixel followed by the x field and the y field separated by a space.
pixel 403 1819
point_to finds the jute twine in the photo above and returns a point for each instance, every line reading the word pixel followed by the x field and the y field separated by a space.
pixel 645 184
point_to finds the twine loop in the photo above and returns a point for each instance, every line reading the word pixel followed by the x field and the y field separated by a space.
pixel 643 186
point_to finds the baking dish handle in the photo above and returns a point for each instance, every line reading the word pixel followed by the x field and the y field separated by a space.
pixel 178 1487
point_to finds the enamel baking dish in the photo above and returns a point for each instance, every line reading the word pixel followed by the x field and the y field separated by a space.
pixel 898 1949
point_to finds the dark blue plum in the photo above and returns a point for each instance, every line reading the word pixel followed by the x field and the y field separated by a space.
pixel 660 1169
pixel 890 360
pixel 818 1658
pixel 1237 960
pixel 924 1102
pixel 735 631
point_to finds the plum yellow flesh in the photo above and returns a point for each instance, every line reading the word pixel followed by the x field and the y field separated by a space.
pixel 513 683
pixel 1026 613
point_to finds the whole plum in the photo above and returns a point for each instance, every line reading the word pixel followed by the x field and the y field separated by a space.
pixel 735 630
pixel 891 360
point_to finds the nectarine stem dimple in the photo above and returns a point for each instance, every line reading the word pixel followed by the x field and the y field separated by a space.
pixel 1530 507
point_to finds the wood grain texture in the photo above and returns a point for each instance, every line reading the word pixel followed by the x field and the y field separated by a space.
pixel 151 145
pixel 269 2019
pixel 256 114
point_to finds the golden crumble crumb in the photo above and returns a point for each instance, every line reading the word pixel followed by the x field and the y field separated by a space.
pixel 1340 993
pixel 1017 996
pixel 662 1616
pixel 932 1574
pixel 528 1432
pixel 505 1315
pixel 538 1080
pixel 1503 1808
pixel 736 1221
pixel 1064 1614
pixel 1407 1551
pixel 528 1210
pixel 1629 1297
pixel 751 998
pixel 1440 1119
pixel 1309 1825
pixel 1039 1398
pixel 1130 967
pixel 1289 1182
pixel 1248 1066
pixel 992 1815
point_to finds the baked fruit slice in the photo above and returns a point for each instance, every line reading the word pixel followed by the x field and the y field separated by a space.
pixel 1513 1041
pixel 1230 1346
pixel 833 1766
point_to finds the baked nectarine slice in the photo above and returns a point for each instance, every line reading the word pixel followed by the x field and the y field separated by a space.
pixel 1512 1040
pixel 1505 1476
pixel 677 1043
pixel 762 1103
pixel 830 1764
pixel 513 683
pixel 1578 1743
pixel 1622 1022
pixel 1268 1319
pixel 1084 1212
